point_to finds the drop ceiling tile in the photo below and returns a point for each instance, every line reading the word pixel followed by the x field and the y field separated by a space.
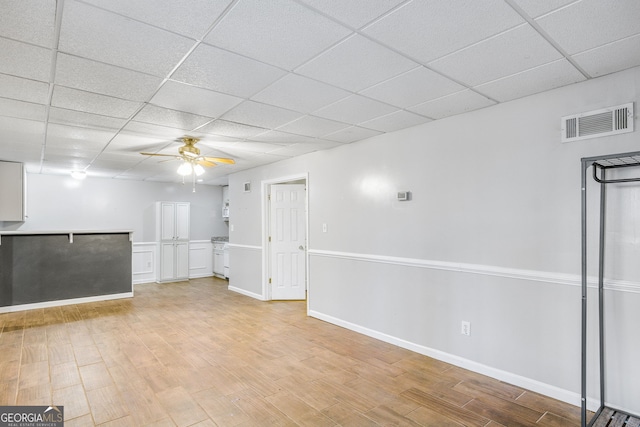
pixel 79 118
pixel 352 134
pixel 355 109
pixel 278 32
pixel 300 94
pixel 106 37
pixel 58 166
pixel 153 131
pixel 125 143
pixel 540 79
pixel 256 147
pixel 356 64
pixel 204 102
pixel 31 21
pixel 354 13
pixel 77 138
pixel 395 121
pixel 261 115
pixel 92 76
pixel 113 165
pixel 313 126
pixel 234 130
pixel 305 148
pixel 24 60
pixel 450 105
pixel 510 52
pixel 22 110
pixel 69 158
pixel 535 8
pixel 591 23
pixel 21 133
pixel 424 30
pixel 281 138
pixel 23 89
pixel 413 87
pixel 172 118
pixel 88 102
pixel 29 156
pixel 190 18
pixel 611 57
pixel 226 72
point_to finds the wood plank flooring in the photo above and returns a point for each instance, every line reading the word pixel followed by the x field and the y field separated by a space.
pixel 195 354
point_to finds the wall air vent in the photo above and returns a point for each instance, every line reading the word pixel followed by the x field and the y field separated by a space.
pixel 608 121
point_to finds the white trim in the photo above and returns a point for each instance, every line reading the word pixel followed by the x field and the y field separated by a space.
pixel 149 273
pixel 487 270
pixel 246 293
pixel 517 380
pixel 253 247
pixel 58 303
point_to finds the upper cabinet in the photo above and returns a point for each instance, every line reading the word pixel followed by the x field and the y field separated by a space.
pixel 12 197
pixel 173 220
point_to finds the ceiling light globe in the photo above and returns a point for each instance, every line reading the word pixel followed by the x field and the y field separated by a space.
pixel 185 169
pixel 198 169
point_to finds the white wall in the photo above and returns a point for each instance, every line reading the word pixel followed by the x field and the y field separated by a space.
pixel 491 236
pixel 56 202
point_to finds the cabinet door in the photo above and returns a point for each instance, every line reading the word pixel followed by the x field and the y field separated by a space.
pixel 182 260
pixel 167 221
pixel 218 263
pixel 11 191
pixel 167 261
pixel 182 221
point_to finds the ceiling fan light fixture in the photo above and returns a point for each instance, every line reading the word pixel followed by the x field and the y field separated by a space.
pixel 185 169
pixel 198 170
pixel 79 175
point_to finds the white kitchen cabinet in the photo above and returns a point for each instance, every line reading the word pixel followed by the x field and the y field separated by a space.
pixel 218 264
pixel 172 221
pixel 11 191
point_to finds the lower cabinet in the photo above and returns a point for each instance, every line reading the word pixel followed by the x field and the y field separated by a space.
pixel 174 261
pixel 218 263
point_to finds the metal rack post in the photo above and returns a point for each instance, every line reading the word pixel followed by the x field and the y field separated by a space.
pixel 600 165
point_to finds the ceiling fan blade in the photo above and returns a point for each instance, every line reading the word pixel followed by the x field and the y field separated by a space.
pixel 163 155
pixel 205 163
pixel 219 160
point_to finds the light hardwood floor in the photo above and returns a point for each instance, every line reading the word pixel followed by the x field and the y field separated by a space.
pixel 194 353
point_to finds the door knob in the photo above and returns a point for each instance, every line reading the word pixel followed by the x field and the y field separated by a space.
pixel 301 247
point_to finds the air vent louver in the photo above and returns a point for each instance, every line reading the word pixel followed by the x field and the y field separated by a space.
pixel 608 121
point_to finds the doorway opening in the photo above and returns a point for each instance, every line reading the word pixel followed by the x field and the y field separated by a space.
pixel 285 216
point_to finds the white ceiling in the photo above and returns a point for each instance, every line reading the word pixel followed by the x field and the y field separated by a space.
pixel 89 84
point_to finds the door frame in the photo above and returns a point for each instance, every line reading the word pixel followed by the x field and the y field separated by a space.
pixel 265 190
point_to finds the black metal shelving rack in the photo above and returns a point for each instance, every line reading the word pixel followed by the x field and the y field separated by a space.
pixel 604 416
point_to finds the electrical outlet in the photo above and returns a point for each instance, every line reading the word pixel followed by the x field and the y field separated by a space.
pixel 324 228
pixel 465 328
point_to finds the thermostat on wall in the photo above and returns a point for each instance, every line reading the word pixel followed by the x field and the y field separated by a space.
pixel 404 196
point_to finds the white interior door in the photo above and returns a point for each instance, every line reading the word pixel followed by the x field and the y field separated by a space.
pixel 288 241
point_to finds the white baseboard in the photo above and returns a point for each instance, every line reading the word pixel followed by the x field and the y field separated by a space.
pixel 47 304
pixel 247 293
pixel 508 377
pixel 201 275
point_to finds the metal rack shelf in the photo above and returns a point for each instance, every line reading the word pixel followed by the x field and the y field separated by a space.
pixel 604 416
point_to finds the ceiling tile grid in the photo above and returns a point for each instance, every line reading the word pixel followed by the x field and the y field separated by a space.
pixel 278 32
pixel 260 81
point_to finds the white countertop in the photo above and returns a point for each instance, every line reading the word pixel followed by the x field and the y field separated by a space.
pixel 28 232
